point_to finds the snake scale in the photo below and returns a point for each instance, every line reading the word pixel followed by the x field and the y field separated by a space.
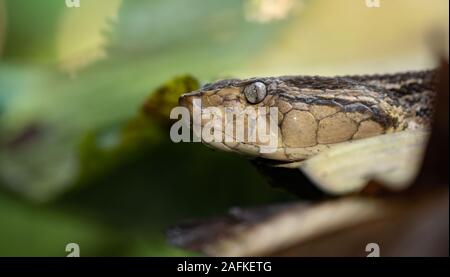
pixel 315 113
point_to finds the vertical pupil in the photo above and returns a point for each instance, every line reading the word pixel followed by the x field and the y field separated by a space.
pixel 255 92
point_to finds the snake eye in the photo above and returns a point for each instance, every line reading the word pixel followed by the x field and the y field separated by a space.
pixel 255 93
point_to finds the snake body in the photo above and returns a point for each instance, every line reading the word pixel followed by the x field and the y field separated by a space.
pixel 316 113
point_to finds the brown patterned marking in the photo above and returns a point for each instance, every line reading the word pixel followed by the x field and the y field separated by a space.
pixel 301 106
pixel 367 129
pixel 214 100
pixel 357 116
pixel 284 106
pixel 299 129
pixel 322 111
pixel 336 128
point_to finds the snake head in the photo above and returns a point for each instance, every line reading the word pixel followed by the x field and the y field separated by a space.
pixel 239 113
pixel 297 117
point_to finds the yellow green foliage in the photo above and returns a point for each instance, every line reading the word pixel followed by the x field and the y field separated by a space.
pixel 161 101
pixel 103 150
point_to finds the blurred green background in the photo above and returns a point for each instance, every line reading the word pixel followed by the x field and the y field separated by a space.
pixel 79 162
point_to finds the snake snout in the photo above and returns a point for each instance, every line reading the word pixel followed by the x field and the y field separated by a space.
pixel 185 100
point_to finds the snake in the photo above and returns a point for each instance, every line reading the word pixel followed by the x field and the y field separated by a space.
pixel 316 113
